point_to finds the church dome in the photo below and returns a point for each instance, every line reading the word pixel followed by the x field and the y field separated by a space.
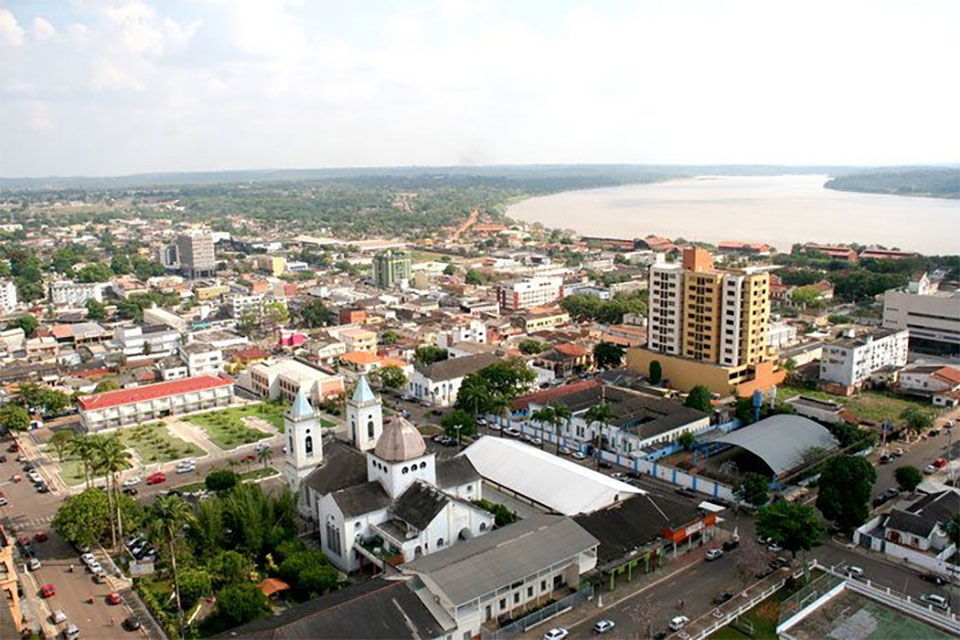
pixel 399 441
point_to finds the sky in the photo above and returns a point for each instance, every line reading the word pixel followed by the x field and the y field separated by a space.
pixel 90 87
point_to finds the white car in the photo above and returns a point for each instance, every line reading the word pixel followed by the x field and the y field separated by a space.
pixel 714 554
pixel 936 601
pixel 132 481
pixel 186 468
pixel 493 426
pixel 603 626
pixel 73 631
pixel 87 558
pixel 33 475
pixel 677 623
pixel 579 456
pixel 3 501
pixel 557 633
pixel 34 564
pixel 929 470
pixel 854 571
pixel 564 451
pixel 58 616
pixel 95 567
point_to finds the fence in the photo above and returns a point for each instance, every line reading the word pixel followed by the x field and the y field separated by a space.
pixel 723 618
pixel 684 479
pixel 539 616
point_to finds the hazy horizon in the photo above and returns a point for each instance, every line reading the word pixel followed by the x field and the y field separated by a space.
pixel 123 87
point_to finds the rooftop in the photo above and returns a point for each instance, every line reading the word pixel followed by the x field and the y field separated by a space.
pixel 151 392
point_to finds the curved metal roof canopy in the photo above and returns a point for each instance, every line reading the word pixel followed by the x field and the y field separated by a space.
pixel 781 440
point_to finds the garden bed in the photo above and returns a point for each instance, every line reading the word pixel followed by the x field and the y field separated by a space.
pixel 154 444
pixel 226 429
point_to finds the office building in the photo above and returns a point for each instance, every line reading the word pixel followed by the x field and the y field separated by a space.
pixel 930 309
pixel 851 361
pixel 532 292
pixel 391 268
pixel 195 254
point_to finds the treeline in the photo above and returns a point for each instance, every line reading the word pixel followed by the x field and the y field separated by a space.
pixel 584 307
pixel 936 183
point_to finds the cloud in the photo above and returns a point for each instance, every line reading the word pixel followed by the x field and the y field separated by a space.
pixel 11 33
pixel 42 30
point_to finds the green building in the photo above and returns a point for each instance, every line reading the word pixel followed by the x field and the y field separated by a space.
pixel 391 268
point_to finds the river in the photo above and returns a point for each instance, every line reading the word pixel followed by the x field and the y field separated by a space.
pixel 777 210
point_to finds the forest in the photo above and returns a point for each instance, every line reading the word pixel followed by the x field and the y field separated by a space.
pixel 929 182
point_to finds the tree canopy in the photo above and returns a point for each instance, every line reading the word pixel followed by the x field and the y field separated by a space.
pixel 844 491
pixel 795 527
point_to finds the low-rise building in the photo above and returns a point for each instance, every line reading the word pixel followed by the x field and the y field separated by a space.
pixel 929 379
pixel 285 378
pixel 781 335
pixel 851 361
pixel 544 319
pixel 437 384
pixel 240 304
pixel 532 292
pixel 151 402
pixel 75 295
pixel 156 340
pixel 201 358
pixel 159 315
pixel 359 340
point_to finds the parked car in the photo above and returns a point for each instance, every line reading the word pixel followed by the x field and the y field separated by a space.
pixel 854 571
pixel 886 459
pixel 3 501
pixel 935 578
pixel 678 623
pixel 557 633
pixel 885 497
pixel 936 601
pixel 604 626
pixel 42 487
pixel 114 598
pixel 131 623
pixel 34 564
pixel 156 478
pixel 779 562
pixel 723 596
pixel 512 432
pixel 13 448
pixel 939 463
pixel 577 455
pixel 34 476
pixel 58 616
pixel 41 536
pixel 929 469
pixel 714 554
pixel 131 491
pixel 773 546
pixel 72 632
pixel 132 481
pixel 493 426
pixel 730 545
pixel 48 591
pixel 3 458
pixel 564 451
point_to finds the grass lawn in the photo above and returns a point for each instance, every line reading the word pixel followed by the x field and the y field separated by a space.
pixel 256 474
pixel 327 424
pixel 875 406
pixel 226 428
pixel 418 255
pixel 71 472
pixel 154 443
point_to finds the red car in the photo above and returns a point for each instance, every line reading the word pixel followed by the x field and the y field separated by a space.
pixel 23 540
pixel 156 478
pixel 13 448
pixel 48 591
pixel 40 536
pixel 249 458
pixel 939 463
pixel 114 598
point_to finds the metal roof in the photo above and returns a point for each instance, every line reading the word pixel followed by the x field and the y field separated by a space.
pixel 470 569
pixel 363 394
pixel 554 482
pixel 300 409
pixel 781 440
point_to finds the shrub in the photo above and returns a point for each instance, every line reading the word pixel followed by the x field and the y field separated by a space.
pixel 220 480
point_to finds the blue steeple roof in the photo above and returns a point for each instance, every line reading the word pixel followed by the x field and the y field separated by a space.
pixel 363 394
pixel 301 408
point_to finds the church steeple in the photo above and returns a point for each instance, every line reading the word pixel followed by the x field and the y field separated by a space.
pixel 304 440
pixel 365 416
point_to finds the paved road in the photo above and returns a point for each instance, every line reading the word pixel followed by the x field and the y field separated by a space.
pixel 917 454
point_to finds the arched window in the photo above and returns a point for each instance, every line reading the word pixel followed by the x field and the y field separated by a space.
pixel 308 445
pixel 423 465
pixel 439 542
pixel 405 470
pixel 483 526
pixel 418 552
pixel 370 428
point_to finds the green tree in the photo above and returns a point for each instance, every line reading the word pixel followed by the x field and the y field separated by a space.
pixel 84 448
pixel 601 413
pixel 908 477
pixel 26 322
pixel 309 572
pixel 249 321
pixel 108 384
pixel 687 440
pixel 844 491
pixel 95 272
pixel 795 527
pixel 60 441
pixel 277 312
pixel 473 277
pixel 531 346
pixel 806 298
pixel 112 458
pixel 263 455
pixel 96 311
pixel 194 584
pixel 83 519
pixel 459 424
pixel 120 264
pixel 473 395
pixel 168 516
pixel 428 354
pixel 388 337
pixel 502 516
pixel 916 419
pixel 508 378
pixel 220 480
pixel 699 399
pixel 316 314
pixel 229 567
pixel 13 417
pixel 607 355
pixel 392 377
pixel 449 270
pixel 241 603
pixel 752 489
pixel 562 415
pixel 656 372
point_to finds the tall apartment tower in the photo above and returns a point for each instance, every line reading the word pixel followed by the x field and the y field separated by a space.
pixel 702 313
pixel 195 254
pixel 391 268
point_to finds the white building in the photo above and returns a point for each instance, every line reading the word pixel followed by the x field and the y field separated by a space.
pixel 851 361
pixel 151 402
pixel 75 295
pixel 240 304
pixel 437 384
pixel 396 493
pixel 156 340
pixel 665 308
pixel 159 315
pixel 781 335
pixel 8 296
pixel 532 292
pixel 930 310
pixel 285 378
pixel 473 331
pixel 201 358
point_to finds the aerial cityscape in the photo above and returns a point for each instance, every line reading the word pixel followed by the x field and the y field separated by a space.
pixel 479 320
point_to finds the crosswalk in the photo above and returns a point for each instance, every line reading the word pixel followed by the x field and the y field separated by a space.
pixel 22 521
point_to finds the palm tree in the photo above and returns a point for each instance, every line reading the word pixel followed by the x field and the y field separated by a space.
pixel 474 395
pixel 112 458
pixel 602 413
pixel 263 455
pixel 168 517
pixel 546 415
pixel 499 405
pixel 82 447
pixel 562 415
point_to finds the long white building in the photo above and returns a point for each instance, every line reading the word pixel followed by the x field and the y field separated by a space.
pixel 532 292
pixel 851 361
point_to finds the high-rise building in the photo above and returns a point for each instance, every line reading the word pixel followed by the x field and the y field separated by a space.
pixel 700 314
pixel 195 254
pixel 8 296
pixel 532 292
pixel 391 268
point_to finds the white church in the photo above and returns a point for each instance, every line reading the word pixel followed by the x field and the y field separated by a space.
pixel 382 486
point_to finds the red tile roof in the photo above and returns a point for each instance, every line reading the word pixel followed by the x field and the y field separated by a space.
pixel 571 350
pixel 948 375
pixel 151 392
pixel 543 397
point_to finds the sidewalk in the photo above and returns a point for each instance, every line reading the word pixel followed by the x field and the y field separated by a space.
pixel 624 591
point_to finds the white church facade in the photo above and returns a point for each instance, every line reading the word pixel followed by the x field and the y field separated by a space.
pixel 382 488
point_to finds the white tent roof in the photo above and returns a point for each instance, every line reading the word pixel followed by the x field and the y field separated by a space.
pixel 557 483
